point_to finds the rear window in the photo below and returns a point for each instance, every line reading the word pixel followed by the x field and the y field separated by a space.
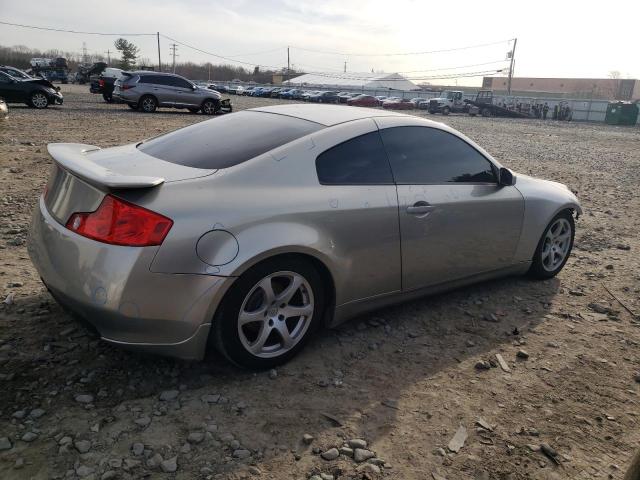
pixel 229 140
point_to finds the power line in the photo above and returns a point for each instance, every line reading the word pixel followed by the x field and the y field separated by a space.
pixel 402 53
pixel 75 31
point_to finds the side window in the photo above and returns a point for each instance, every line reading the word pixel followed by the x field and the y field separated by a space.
pixel 4 78
pixel 422 155
pixel 178 82
pixel 359 161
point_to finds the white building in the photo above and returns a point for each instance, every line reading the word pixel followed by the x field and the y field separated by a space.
pixel 352 81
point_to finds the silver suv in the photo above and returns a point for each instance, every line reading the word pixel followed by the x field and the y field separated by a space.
pixel 147 91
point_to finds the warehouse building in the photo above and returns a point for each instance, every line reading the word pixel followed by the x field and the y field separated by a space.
pixel 353 81
pixel 595 88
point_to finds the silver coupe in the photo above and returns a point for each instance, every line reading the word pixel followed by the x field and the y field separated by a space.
pixel 251 231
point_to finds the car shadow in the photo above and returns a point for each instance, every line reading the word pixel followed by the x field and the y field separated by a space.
pixel 350 381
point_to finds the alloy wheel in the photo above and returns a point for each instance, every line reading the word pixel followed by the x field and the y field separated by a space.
pixel 148 104
pixel 209 108
pixel 275 314
pixel 39 100
pixel 556 245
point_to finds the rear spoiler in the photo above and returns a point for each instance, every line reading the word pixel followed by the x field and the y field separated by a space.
pixel 73 157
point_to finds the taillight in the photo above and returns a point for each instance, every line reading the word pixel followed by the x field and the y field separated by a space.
pixel 121 223
pixel 126 86
pixel 101 82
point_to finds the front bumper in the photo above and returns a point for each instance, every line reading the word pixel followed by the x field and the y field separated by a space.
pixel 56 98
pixel 113 289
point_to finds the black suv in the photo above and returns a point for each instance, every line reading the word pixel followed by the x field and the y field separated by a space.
pixel 35 92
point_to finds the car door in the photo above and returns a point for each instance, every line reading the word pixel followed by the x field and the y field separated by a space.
pixel 361 217
pixel 10 89
pixel 159 86
pixel 184 92
pixel 456 221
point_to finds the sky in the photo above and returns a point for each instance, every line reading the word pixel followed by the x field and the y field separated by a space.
pixel 554 38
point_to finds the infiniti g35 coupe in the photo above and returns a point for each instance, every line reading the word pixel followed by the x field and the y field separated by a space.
pixel 252 242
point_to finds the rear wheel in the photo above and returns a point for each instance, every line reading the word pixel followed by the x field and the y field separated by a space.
pixel 269 313
pixel 486 112
pixel 446 111
pixel 38 100
pixel 554 247
pixel 209 107
pixel 107 97
pixel 148 104
pixel 432 112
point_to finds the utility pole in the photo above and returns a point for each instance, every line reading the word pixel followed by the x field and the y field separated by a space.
pixel 513 57
pixel 173 47
pixel 159 62
pixel 84 52
pixel 288 65
pixel 345 66
pixel 108 52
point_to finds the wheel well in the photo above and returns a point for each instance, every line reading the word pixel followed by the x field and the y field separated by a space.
pixel 149 95
pixel 325 274
pixel 214 100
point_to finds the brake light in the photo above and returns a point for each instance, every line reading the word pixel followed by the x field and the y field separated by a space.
pixel 118 222
pixel 126 86
pixel 101 82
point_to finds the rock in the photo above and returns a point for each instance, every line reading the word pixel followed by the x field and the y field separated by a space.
pixel 522 354
pixel 170 465
pixel 637 377
pixel 502 363
pixel 326 476
pixel 143 421
pixel 5 444
pixel 599 308
pixel 549 451
pixel 253 470
pixel 491 317
pixel 115 462
pixel 483 365
pixel 9 299
pixel 273 374
pixel 210 398
pixel 440 452
pixel 19 463
pixel 85 399
pixel 169 395
pixel 66 440
pixel 307 439
pixel 84 471
pixel 195 437
pixel 36 413
pixel 19 414
pixel 362 455
pixel 622 246
pixel 137 449
pixel 357 443
pixel 154 461
pixel 457 442
pixel 346 451
pixel 241 453
pixel 484 424
pixel 29 437
pixel 330 454
pixel 533 448
pixel 368 468
pixel 82 446
pixel 109 475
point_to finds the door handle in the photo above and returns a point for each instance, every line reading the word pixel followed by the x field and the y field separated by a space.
pixel 420 208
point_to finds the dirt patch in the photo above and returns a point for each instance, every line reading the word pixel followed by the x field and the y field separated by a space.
pixel 403 379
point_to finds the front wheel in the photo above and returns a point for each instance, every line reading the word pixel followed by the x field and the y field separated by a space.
pixel 148 104
pixel 446 111
pixel 554 247
pixel 269 313
pixel 38 100
pixel 209 107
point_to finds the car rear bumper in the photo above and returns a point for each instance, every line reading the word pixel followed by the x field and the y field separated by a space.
pixel 113 289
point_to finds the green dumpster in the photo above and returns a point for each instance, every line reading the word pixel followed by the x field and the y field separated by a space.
pixel 621 113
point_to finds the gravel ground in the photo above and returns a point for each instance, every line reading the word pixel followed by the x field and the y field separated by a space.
pixel 402 381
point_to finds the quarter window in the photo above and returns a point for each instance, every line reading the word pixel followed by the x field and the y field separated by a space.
pixel 422 155
pixel 359 161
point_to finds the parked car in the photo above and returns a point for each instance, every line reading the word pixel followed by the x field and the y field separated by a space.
pixel 398 104
pixel 416 101
pixel 344 96
pixel 265 92
pixel 324 97
pixel 364 101
pixel 105 82
pixel 247 91
pixel 161 245
pixel 15 72
pixel 35 92
pixel 257 91
pixel 381 98
pixel 307 94
pixel 146 91
pixel 275 92
pixel 4 109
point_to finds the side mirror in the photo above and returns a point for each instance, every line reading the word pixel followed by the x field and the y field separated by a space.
pixel 507 178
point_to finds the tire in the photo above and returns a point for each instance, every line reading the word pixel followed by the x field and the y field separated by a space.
pixel 446 111
pixel 552 252
pixel 107 97
pixel 194 110
pixel 246 295
pixel 486 112
pixel 432 112
pixel 148 104
pixel 210 107
pixel 38 100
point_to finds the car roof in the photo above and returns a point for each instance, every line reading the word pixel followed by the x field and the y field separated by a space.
pixel 327 115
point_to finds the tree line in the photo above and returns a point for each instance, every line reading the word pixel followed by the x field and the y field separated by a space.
pixel 19 56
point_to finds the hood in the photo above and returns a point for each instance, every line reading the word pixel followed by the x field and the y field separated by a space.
pixel 210 91
pixel 40 81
